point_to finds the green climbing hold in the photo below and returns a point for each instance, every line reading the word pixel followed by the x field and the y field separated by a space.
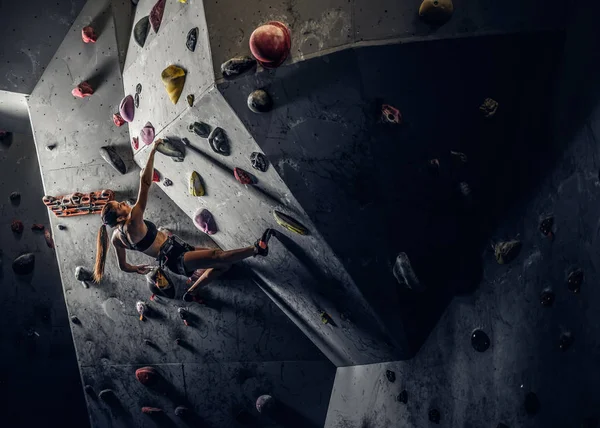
pixel 168 148
pixel 506 252
pixel 289 223
pixel 196 187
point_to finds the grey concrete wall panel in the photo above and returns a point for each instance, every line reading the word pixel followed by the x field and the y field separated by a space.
pixel 14 116
pixel 31 33
pixel 297 268
pixel 168 47
pixel 38 363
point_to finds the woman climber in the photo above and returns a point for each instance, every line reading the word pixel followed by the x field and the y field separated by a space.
pixel 134 233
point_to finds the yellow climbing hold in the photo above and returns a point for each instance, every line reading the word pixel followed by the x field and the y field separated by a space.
pixel 182 1
pixel 196 187
pixel 173 78
pixel 436 11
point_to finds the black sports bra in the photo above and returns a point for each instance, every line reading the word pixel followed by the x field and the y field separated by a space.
pixel 146 241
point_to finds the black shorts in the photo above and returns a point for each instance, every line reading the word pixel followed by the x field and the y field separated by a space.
pixel 171 255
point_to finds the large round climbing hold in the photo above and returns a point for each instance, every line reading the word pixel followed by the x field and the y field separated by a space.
pixel 127 108
pixel 265 404
pixel 260 101
pixel 271 43
pixel 147 376
pixel 24 264
pixel 436 12
pixel 480 341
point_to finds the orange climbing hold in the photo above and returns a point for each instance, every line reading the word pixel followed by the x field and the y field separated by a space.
pixel 271 43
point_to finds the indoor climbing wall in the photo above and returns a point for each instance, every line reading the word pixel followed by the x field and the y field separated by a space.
pixel 38 363
pixel 234 348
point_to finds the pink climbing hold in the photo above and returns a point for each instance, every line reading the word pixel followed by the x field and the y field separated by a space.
pixel 155 176
pixel 88 35
pixel 205 221
pixel 151 410
pixel 242 176
pixel 156 14
pixel 127 109
pixel 147 134
pixel 82 90
pixel 135 143
pixel 118 119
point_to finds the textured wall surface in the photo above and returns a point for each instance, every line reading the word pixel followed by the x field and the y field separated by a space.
pixel 30 35
pixel 14 116
pixel 38 368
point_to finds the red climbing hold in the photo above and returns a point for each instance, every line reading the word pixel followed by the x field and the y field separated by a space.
pixel 390 114
pixel 118 119
pixel 151 410
pixel 37 227
pixel 156 177
pixel 242 176
pixel 147 376
pixel 135 143
pixel 88 35
pixel 17 226
pixel 156 14
pixel 82 90
pixel 271 43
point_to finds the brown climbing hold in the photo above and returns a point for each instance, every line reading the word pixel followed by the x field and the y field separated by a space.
pixel 237 66
pixel 17 226
pixel 390 114
pixel 506 252
pixel 242 176
pixel 88 35
pixel 151 410
pixel 489 107
pixel 24 264
pixel 118 119
pixel 270 44
pixel 173 78
pixel 156 14
pixel 260 101
pixel 82 90
pixel 436 12
pixel 190 100
pixel 48 238
pixel 147 376
pixel 37 227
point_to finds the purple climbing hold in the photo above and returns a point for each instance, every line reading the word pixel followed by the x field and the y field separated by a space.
pixel 147 134
pixel 205 221
pixel 265 404
pixel 24 264
pixel 156 14
pixel 127 108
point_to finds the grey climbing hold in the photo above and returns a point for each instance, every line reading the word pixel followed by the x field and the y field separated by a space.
pixel 260 101
pixel 237 66
pixel 15 197
pixel 480 341
pixel 405 274
pixel 219 142
pixel 82 274
pixel 402 397
pixel 201 129
pixel 140 31
pixel 167 182
pixel 167 148
pixel 506 252
pixel 51 147
pixel 390 375
pixel 24 264
pixel 75 320
pixel 575 280
pixel 265 404
pixel 190 100
pixel 547 298
pixel 136 100
pixel 181 411
pixel 62 227
pixel 138 88
pixel 106 394
pixel 192 38
pixel 259 161
pixel 110 155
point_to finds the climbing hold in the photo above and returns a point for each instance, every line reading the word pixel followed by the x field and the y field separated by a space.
pixel 136 101
pixel 546 227
pixel 237 66
pixel 167 182
pixel 82 274
pixel 196 187
pixel 75 320
pixel 51 147
pixel 566 340
pixel 259 161
pixel 260 101
pixel 38 227
pixel 17 226
pixel 155 176
pixel 480 341
pixel 173 78
pixel 205 221
pixel 325 317
pixel 190 100
pixel 178 341
pixel 48 238
pixel 489 107
pixel 219 142
pixel 201 129
pixel 547 298
pixel 390 114
pixel 135 143
pixel 151 410
pixel 184 315
pixel 192 38
pixel 434 165
pixel 138 88
pixel 464 189
pixel 147 134
pixel 532 403
pixel 106 394
pixel 402 397
pixel 82 90
pixel 265 404
pixel 110 155
pixel 575 280
pixel 24 264
pixel 270 44
pixel 88 35
pixel 160 284
pixel 459 157
pixel 167 148
pixel 127 108
pixel 436 12
pixel 141 309
pixel 141 30
pixel 89 390
pixel 62 227
pixel 147 376
pixel 434 416
pixel 289 223
pixel 405 274
pixel 390 375
pixel 118 119
pixel 506 252
pixel 242 176
pixel 15 197
pixel 181 411
pixel 156 14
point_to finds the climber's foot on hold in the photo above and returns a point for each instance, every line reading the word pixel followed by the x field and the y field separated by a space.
pixel 262 245
pixel 189 297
